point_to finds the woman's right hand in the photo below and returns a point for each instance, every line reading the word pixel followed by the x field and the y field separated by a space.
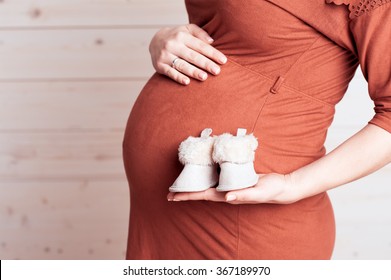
pixel 192 45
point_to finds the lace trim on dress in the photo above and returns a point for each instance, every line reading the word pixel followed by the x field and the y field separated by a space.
pixel 359 7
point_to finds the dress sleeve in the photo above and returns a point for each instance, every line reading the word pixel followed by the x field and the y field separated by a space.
pixel 370 25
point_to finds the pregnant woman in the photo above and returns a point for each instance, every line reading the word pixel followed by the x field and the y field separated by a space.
pixel 276 68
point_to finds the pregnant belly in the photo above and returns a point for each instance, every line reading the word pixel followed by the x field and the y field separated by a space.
pixel 290 127
pixel 223 102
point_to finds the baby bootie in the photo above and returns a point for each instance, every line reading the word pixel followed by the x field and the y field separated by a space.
pixel 199 172
pixel 235 154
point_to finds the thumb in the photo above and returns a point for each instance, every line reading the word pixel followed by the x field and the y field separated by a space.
pixel 246 195
pixel 198 32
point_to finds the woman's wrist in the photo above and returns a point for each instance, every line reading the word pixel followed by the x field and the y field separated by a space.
pixel 348 162
pixel 302 183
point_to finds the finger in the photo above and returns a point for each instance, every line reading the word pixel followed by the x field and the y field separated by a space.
pixel 199 60
pixel 250 195
pixel 174 74
pixel 190 70
pixel 170 196
pixel 198 32
pixel 205 49
pixel 210 195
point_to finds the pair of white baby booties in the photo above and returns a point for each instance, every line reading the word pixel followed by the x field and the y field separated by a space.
pixel 200 156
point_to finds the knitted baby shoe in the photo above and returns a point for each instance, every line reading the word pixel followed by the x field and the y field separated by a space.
pixel 199 172
pixel 235 154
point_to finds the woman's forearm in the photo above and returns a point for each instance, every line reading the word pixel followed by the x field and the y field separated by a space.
pixel 363 153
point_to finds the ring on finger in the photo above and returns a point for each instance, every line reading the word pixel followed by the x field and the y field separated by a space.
pixel 174 61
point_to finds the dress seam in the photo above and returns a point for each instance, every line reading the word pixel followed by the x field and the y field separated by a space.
pixel 251 70
pixel 301 55
pixel 259 112
pixel 309 96
pixel 284 85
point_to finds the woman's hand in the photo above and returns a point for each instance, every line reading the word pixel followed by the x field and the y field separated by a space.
pixel 271 188
pixel 191 45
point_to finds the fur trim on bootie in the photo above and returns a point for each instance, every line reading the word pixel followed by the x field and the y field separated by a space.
pixel 235 154
pixel 235 149
pixel 196 150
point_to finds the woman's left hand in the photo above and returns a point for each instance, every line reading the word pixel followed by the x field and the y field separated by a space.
pixel 271 188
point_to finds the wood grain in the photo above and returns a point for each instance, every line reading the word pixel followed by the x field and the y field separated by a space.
pixel 67 106
pixel 75 54
pixel 64 220
pixel 61 156
pixel 90 13
pixel 70 71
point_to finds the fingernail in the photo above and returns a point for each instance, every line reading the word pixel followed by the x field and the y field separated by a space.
pixel 169 199
pixel 203 76
pixel 231 197
pixel 223 59
pixel 175 199
pixel 186 81
pixel 216 70
pixel 210 40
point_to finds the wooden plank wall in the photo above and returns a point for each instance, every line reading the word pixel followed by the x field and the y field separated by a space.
pixel 70 71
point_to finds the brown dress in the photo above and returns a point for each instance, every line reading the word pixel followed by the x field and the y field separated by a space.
pixel 289 64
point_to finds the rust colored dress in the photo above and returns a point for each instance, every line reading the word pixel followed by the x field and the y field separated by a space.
pixel 289 64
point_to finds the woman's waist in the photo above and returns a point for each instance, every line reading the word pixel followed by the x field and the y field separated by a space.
pixel 236 81
pixel 283 119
